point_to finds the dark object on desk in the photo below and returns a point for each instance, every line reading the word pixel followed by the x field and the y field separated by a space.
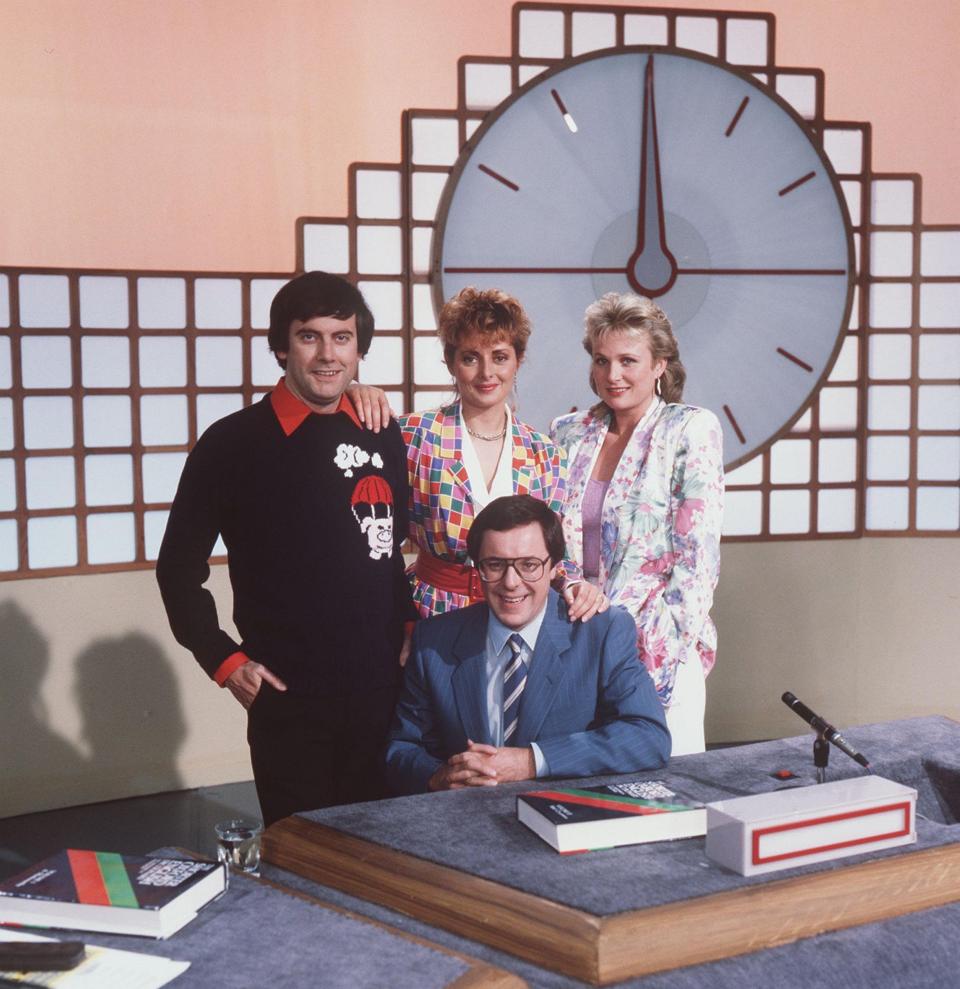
pixel 822 727
pixel 104 891
pixel 590 818
pixel 40 956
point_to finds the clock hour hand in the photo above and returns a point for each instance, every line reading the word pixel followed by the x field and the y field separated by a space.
pixel 651 269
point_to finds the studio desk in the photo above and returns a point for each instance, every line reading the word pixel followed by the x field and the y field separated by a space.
pixel 460 862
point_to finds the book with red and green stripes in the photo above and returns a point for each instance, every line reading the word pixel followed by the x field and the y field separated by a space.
pixel 104 891
pixel 586 819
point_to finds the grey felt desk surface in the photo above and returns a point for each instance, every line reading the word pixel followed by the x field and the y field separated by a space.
pixel 257 935
pixel 477 831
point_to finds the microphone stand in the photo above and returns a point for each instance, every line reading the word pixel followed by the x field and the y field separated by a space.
pixel 821 755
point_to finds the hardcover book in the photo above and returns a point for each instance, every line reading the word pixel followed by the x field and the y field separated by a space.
pixel 590 818
pixel 104 891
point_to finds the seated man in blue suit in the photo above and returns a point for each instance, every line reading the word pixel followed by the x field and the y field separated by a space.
pixel 510 689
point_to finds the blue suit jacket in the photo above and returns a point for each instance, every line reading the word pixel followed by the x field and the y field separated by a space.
pixel 589 703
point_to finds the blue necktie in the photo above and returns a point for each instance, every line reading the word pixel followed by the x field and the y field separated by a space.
pixel 514 680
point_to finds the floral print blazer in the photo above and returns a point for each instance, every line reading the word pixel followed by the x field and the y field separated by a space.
pixel 660 529
pixel 441 501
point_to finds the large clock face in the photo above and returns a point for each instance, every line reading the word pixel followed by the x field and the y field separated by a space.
pixel 671 175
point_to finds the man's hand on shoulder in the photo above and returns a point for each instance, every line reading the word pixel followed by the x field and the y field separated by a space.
pixel 245 682
pixel 484 765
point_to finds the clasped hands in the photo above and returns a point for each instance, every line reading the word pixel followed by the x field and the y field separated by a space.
pixel 484 765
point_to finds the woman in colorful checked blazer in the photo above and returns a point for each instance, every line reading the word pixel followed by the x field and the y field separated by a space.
pixel 644 501
pixel 463 455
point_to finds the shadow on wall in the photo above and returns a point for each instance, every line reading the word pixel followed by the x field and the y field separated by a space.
pixel 130 710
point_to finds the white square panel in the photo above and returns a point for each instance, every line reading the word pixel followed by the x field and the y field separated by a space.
pixel 105 362
pixel 264 369
pixel 262 291
pixel 838 408
pixel 218 303
pixel 852 192
pixel 162 303
pixel 940 355
pixel 104 302
pixel 427 188
pixel 939 252
pixel 6 423
pixel 746 41
pixel 847 367
pixel 790 462
pixel 742 513
pixel 52 542
pixel 210 408
pixel 940 305
pixel 888 458
pixel 887 508
pixel 163 362
pixel 44 300
pixel 487 84
pixel 45 362
pixel 892 201
pixel 428 366
pixel 422 244
pixel 524 74
pixel 938 407
pixel 541 34
pixel 219 361
pixel 938 458
pixel 108 479
pixel 890 355
pixel 9 548
pixel 837 460
pixel 424 318
pixel 163 420
pixel 891 305
pixel 326 247
pixel 888 407
pixel 435 141
pixel 430 399
pixel 749 473
pixel 800 91
pixel 111 538
pixel 592 31
pixel 699 34
pixel 844 148
pixel 385 300
pixel 938 509
pixel 837 510
pixel 106 420
pixel 47 422
pixel 789 512
pixel 51 482
pixel 379 250
pixel 161 475
pixel 8 485
pixel 6 363
pixel 4 301
pixel 378 193
pixel 154 526
pixel 383 365
pixel 802 425
pixel 891 254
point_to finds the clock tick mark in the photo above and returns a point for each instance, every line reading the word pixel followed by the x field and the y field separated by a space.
pixel 793 357
pixel 567 116
pixel 735 424
pixel 794 185
pixel 499 177
pixel 737 116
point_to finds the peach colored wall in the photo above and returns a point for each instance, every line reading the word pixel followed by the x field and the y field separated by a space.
pixel 192 134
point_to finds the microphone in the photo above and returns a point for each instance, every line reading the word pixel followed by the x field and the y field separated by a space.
pixel 823 727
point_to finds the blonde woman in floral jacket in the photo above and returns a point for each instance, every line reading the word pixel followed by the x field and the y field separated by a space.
pixel 644 500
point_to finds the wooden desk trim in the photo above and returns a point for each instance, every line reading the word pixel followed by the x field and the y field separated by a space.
pixel 640 942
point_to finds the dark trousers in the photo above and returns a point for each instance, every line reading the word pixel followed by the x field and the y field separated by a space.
pixel 318 751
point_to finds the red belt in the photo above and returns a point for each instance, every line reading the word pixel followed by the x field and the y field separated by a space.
pixel 453 577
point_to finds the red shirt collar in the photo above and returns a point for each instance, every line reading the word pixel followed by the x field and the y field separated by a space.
pixel 291 412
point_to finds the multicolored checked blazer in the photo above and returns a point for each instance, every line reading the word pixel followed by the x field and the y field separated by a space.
pixel 659 529
pixel 441 503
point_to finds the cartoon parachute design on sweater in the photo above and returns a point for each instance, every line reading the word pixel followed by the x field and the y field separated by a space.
pixel 372 506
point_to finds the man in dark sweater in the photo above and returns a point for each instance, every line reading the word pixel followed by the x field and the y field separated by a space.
pixel 313 510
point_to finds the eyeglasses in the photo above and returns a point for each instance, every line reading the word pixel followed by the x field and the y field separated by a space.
pixel 527 567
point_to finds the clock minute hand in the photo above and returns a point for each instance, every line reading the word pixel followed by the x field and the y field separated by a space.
pixel 651 269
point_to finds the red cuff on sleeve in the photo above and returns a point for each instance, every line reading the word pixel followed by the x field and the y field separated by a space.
pixel 233 662
pixel 408 628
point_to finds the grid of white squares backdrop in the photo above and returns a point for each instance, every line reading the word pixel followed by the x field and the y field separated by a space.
pixel 107 378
